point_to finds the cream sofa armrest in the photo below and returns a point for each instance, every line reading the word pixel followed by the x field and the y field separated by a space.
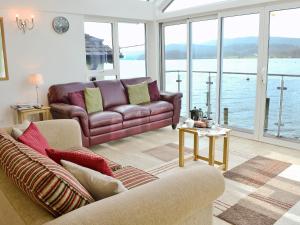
pixel 61 134
pixel 172 200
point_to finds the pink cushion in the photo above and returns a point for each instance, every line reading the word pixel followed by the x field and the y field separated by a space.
pixel 153 91
pixel 82 158
pixel 77 98
pixel 33 138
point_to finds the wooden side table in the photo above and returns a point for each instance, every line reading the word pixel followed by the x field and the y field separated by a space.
pixel 225 133
pixel 22 114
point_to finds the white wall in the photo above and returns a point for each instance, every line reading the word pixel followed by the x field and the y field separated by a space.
pixel 60 58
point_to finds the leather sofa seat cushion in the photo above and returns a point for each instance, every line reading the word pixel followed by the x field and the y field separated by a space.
pixel 130 112
pixel 106 129
pixel 100 119
pixel 162 116
pixel 135 122
pixel 159 107
pixel 113 93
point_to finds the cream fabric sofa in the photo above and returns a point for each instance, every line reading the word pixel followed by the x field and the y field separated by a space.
pixel 184 198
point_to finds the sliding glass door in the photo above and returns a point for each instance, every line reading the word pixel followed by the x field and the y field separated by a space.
pixel 283 79
pixel 175 61
pixel 240 41
pixel 242 70
pixel 204 66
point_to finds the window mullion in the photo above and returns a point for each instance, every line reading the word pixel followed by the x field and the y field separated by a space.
pixel 116 48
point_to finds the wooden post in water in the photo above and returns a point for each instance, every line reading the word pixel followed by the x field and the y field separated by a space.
pixel 226 116
pixel 267 114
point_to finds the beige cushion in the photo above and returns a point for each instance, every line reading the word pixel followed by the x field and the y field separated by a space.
pixel 138 93
pixel 99 185
pixel 93 100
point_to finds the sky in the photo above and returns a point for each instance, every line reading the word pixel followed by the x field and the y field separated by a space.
pixel 237 26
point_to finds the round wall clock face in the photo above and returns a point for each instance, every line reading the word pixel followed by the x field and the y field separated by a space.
pixel 60 25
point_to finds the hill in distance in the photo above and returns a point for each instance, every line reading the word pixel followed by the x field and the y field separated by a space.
pixel 280 47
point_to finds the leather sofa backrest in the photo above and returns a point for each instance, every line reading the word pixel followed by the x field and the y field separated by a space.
pixel 59 93
pixel 133 81
pixel 113 93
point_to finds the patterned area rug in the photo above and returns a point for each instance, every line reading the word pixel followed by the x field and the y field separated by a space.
pixel 276 192
pixel 259 190
pixel 166 152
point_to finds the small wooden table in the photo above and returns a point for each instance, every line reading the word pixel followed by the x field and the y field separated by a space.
pixel 43 112
pixel 212 135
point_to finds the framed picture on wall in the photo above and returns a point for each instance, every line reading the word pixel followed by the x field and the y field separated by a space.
pixel 3 59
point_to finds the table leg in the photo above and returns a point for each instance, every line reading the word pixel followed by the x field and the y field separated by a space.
pixel 226 152
pixel 212 147
pixel 196 147
pixel 42 116
pixel 19 115
pixel 23 117
pixel 181 148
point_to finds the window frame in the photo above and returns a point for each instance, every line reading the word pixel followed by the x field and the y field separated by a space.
pixel 263 10
pixel 115 72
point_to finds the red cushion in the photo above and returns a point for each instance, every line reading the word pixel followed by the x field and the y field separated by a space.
pixel 82 158
pixel 33 138
pixel 154 91
pixel 77 98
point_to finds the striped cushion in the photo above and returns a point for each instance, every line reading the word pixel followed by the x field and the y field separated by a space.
pixel 112 165
pixel 43 180
pixel 132 177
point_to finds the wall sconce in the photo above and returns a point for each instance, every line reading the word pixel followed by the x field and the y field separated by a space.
pixel 25 24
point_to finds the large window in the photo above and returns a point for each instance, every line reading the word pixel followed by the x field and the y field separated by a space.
pixel 175 54
pixel 115 50
pixel 99 46
pixel 283 93
pixel 132 50
pixel 240 50
pixel 204 66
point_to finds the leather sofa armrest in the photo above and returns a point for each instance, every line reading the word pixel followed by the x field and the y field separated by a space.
pixel 170 97
pixel 179 198
pixel 68 110
pixel 65 111
pixel 175 99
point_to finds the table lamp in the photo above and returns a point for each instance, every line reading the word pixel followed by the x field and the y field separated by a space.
pixel 36 80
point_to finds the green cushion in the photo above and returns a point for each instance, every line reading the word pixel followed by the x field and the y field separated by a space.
pixel 93 100
pixel 138 93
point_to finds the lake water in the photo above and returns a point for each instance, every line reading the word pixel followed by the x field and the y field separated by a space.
pixel 238 91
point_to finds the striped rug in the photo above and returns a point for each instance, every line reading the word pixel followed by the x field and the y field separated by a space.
pixel 275 194
pixel 259 191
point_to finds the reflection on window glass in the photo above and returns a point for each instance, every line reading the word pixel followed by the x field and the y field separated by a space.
pixel 283 102
pixel 238 85
pixel 184 4
pixel 99 47
pixel 204 62
pixel 175 48
pixel 132 50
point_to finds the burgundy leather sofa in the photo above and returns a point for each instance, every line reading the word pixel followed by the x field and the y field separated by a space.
pixel 119 119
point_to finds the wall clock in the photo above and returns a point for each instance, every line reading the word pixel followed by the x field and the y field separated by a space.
pixel 60 24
